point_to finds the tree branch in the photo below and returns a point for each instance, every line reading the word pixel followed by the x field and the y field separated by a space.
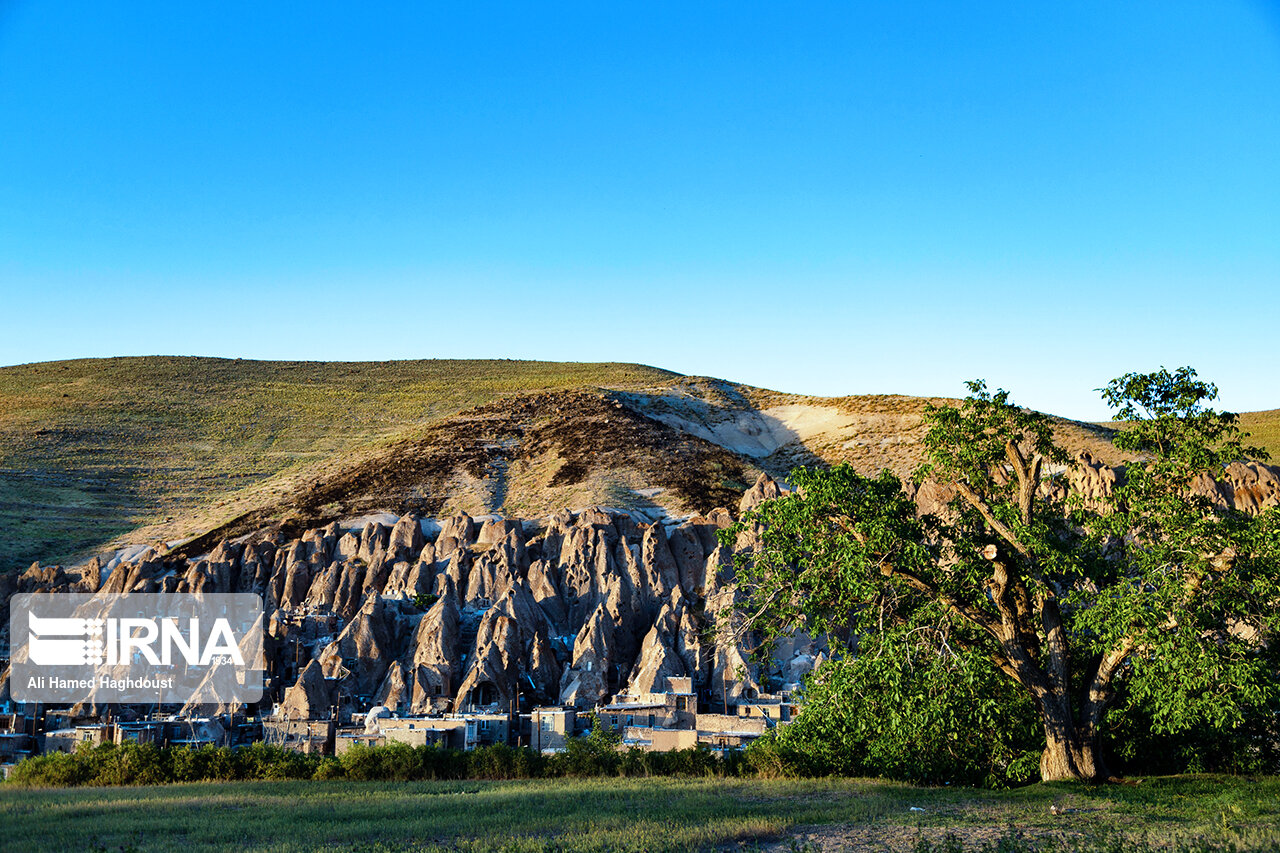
pixel 974 617
pixel 967 492
pixel 1016 639
pixel 1014 455
pixel 1100 688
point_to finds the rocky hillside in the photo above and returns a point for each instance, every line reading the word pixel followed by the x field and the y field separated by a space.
pixel 462 612
pixel 667 450
pixel 458 612
pixel 526 455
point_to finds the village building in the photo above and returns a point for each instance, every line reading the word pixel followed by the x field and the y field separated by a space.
pixel 550 728
pixel 306 736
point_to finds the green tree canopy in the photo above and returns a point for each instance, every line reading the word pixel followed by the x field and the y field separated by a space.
pixel 1151 588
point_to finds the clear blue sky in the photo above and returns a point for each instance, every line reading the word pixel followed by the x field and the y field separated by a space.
pixel 823 198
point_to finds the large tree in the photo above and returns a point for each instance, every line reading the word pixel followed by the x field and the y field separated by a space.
pixel 1151 588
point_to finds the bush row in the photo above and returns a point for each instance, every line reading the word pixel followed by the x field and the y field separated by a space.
pixel 147 764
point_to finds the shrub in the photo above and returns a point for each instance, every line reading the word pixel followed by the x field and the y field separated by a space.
pixel 637 762
pixel 360 763
pixel 56 769
pixel 440 763
pixel 147 764
pixel 329 769
pixel 398 762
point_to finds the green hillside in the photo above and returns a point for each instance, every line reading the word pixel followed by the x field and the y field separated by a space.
pixel 90 449
pixel 1264 431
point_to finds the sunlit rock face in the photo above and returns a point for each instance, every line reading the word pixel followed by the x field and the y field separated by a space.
pixel 432 615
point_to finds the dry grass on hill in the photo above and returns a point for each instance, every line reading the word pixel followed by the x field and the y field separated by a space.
pixel 1264 431
pixel 101 451
pixel 90 449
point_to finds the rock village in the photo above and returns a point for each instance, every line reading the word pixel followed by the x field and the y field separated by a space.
pixel 463 632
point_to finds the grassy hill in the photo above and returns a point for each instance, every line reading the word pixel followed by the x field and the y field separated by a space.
pixel 1262 428
pixel 90 449
pixel 1264 431
pixel 525 455
pixel 104 451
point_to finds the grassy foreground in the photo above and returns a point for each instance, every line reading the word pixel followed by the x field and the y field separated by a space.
pixel 638 815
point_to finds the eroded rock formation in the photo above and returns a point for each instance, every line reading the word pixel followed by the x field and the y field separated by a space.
pixel 437 615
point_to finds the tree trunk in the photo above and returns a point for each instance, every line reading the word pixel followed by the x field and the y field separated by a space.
pixel 1069 754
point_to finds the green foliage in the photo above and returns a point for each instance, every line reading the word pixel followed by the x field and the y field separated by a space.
pixel 947 627
pixel 1137 744
pixel 918 701
pixel 963 440
pixel 909 708
pixel 148 764
pixel 769 758
pixel 329 769
pixel 694 761
pixel 595 754
pixel 1163 414
pixel 824 550
pixel 503 762
pixel 1193 584
pixel 133 764
pixel 266 761
pixel 600 735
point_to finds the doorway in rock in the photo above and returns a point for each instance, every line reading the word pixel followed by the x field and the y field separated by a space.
pixel 483 695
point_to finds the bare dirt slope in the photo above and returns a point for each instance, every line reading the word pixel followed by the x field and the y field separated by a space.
pixel 780 431
pixel 526 455
pixel 687 445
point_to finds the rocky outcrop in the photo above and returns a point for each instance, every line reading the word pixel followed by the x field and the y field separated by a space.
pixel 395 692
pixel 373 541
pixel 426 616
pixel 586 682
pixel 405 538
pixel 455 533
pixel 311 698
pixel 733 675
pixel 497 529
pixel 362 652
pixel 765 488
pixel 546 592
pixel 493 676
pixel 690 555
pixel 1093 481
pixel 658 659
pixel 434 656
pixel 1249 486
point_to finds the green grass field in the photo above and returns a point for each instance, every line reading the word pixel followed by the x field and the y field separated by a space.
pixel 637 815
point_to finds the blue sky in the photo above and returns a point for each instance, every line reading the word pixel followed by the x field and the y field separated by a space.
pixel 822 198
